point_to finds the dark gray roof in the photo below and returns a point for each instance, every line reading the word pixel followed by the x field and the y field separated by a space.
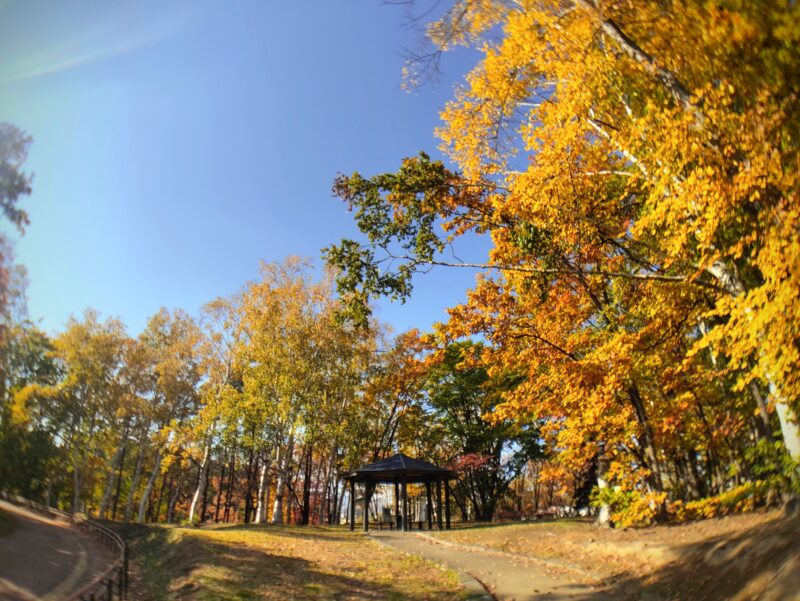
pixel 399 467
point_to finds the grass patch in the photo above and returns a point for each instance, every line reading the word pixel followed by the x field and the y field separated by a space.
pixel 270 562
pixel 7 523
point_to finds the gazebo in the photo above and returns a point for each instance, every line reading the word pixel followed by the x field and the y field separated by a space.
pixel 402 470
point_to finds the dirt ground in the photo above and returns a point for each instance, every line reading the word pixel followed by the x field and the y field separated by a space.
pixel 755 556
pixel 45 560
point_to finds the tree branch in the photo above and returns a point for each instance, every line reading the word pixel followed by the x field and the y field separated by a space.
pixel 679 279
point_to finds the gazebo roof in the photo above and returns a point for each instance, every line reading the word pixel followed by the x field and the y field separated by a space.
pixel 398 468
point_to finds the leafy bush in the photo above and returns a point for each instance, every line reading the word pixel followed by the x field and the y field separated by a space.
pixel 743 498
pixel 630 508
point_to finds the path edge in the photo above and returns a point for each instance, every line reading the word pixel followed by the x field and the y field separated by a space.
pixel 474 588
pixel 594 579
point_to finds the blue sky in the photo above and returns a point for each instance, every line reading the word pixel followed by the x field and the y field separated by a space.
pixel 176 144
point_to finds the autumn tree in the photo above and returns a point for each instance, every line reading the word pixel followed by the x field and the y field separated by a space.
pixel 172 340
pixel 458 397
pixel 15 184
pixel 27 434
pixel 641 196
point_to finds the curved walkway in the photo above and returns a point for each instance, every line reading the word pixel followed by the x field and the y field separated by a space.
pixel 46 560
pixel 505 578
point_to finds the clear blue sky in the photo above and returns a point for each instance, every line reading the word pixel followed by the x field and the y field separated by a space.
pixel 176 144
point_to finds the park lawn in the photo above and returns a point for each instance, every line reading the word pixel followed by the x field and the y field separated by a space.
pixel 271 562
pixel 543 539
pixel 7 523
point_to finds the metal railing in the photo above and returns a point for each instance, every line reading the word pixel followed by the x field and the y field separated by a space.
pixel 113 582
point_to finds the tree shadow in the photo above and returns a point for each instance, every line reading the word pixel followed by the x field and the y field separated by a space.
pixel 722 567
pixel 169 565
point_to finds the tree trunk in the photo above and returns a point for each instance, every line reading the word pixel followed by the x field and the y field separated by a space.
pixel 786 416
pixel 137 473
pixel 204 510
pixel 647 438
pixel 77 481
pixel 231 476
pixel 337 502
pixel 283 469
pixel 173 500
pixel 149 488
pixel 220 488
pixel 604 513
pixel 115 463
pixel 306 507
pixel 263 484
pixel 248 501
pixel 167 477
pixel 119 483
pixel 201 484
pixel 789 424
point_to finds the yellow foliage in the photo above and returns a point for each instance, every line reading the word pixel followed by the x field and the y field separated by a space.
pixel 648 244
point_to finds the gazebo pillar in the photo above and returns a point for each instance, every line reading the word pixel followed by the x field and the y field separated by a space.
pixel 352 504
pixel 367 495
pixel 439 503
pixel 447 503
pixel 405 505
pixel 397 504
pixel 429 506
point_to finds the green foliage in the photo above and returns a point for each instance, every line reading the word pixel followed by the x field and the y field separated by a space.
pixel 399 213
pixel 14 184
pixel 630 508
pixel 774 466
pixel 26 425
pixel 487 453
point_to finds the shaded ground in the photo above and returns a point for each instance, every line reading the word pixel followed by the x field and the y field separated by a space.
pixel 268 562
pixel 753 556
pixel 504 577
pixel 7 523
pixel 44 559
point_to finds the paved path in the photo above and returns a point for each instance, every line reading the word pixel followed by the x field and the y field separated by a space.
pixel 505 578
pixel 45 560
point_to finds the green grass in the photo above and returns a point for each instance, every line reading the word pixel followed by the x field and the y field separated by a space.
pixel 268 562
pixel 7 523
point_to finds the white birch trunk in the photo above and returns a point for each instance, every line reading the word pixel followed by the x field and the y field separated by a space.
pixel 109 490
pixel 787 417
pixel 201 483
pixel 261 507
pixel 149 488
pixel 788 420
pixel 604 514
pixel 137 473
pixel 283 468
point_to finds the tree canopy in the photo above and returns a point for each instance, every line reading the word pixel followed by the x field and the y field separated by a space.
pixel 635 168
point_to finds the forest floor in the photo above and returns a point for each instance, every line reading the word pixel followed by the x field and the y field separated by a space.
pixel 743 557
pixel 271 562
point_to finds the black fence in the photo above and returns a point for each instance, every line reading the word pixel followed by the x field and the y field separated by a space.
pixel 113 582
